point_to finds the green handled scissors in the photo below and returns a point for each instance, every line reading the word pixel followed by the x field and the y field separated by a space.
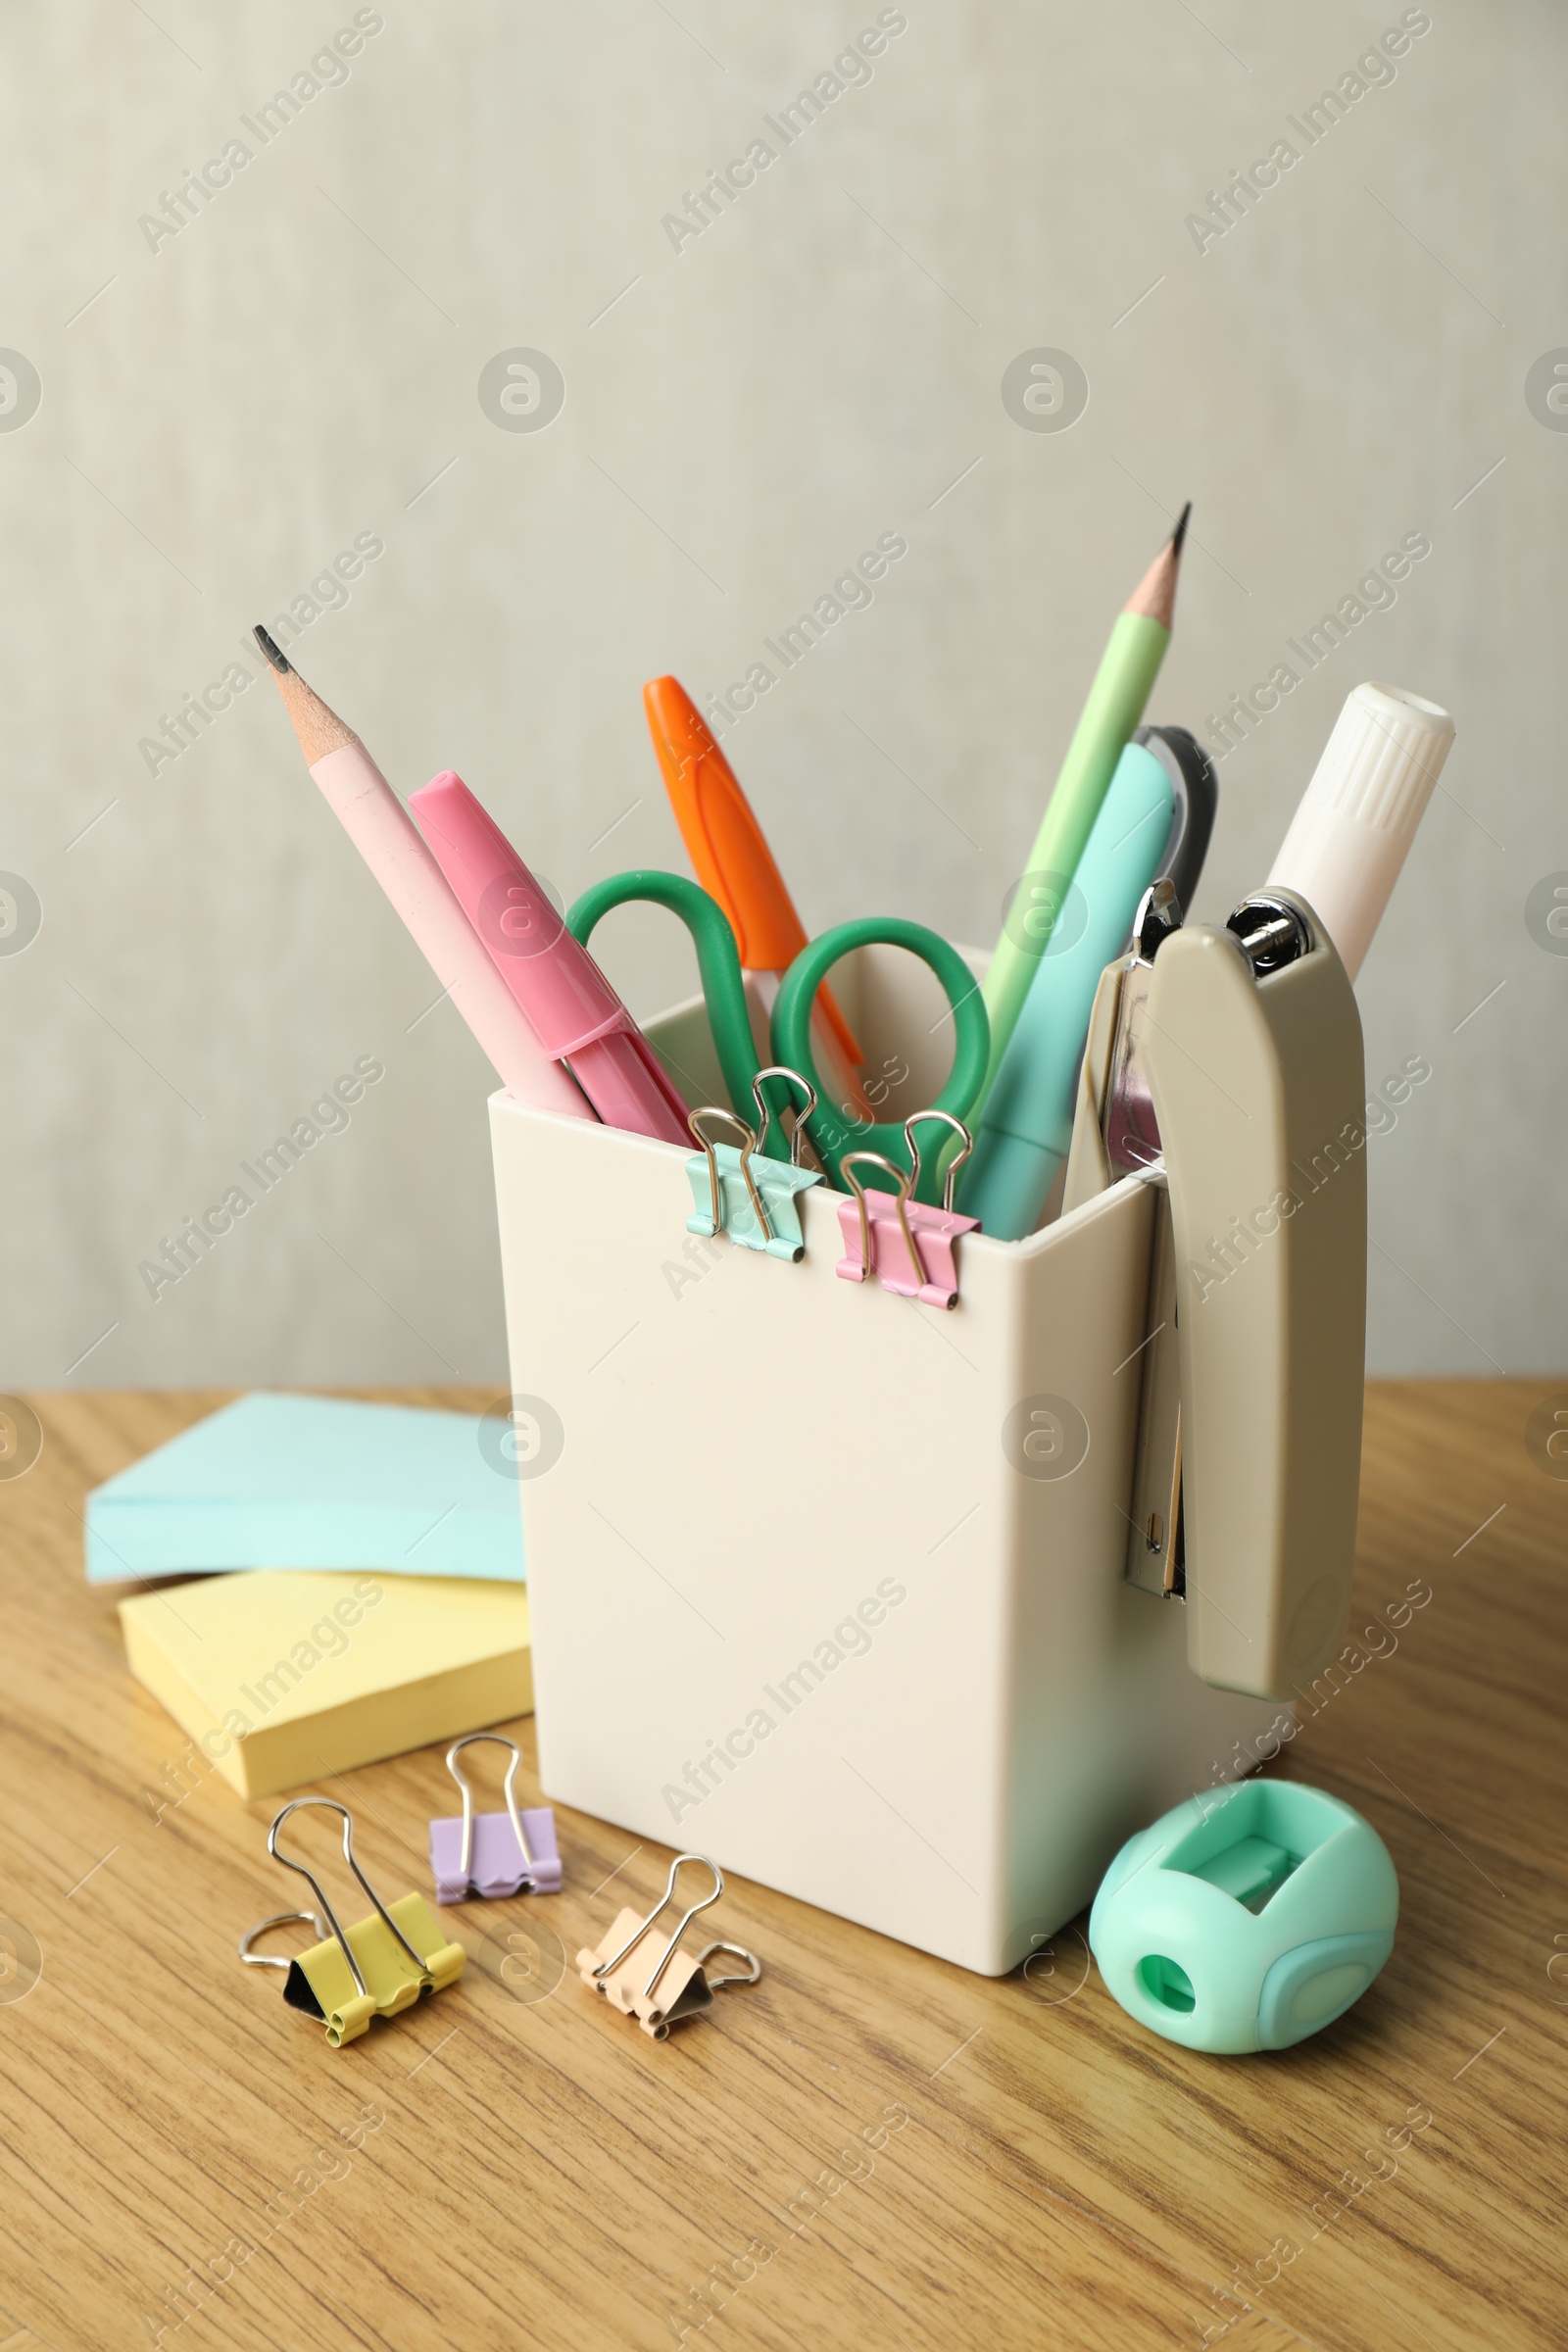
pixel 833 1129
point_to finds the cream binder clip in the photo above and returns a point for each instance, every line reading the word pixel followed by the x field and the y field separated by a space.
pixel 373 1969
pixel 676 1985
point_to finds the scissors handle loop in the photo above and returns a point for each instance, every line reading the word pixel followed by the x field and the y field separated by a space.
pixel 718 965
pixel 835 1131
pixel 833 1128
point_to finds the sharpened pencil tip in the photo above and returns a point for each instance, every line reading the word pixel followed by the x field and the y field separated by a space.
pixel 1180 532
pixel 274 653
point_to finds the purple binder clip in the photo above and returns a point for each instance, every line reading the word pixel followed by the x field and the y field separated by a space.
pixel 908 1246
pixel 493 1854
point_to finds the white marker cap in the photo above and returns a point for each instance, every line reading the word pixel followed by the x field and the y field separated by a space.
pixel 1359 815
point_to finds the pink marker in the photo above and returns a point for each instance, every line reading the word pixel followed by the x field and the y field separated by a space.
pixel 570 1006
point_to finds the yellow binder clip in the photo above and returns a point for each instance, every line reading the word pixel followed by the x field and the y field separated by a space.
pixel 376 1968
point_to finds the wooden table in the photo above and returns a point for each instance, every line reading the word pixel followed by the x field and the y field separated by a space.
pixel 870 2149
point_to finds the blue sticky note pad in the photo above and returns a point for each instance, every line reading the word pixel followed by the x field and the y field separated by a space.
pixel 314 1482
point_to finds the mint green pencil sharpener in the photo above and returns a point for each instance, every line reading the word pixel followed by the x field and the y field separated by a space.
pixel 1246 1920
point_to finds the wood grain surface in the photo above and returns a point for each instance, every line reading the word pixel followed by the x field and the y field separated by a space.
pixel 869 2148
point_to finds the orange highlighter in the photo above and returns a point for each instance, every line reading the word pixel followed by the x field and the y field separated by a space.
pixel 736 868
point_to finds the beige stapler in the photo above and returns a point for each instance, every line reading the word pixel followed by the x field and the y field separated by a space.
pixel 1228 1065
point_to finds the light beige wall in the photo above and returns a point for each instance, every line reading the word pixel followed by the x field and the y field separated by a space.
pixel 816 368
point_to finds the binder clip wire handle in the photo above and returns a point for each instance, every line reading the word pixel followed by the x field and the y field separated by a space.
pixel 749 1975
pixel 330 1804
pixel 919 1118
pixel 606 1968
pixel 465 1858
pixel 279 1919
pixel 715 1110
pixel 781 1069
pixel 902 1185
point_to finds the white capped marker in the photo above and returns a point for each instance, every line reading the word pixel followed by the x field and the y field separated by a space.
pixel 1357 817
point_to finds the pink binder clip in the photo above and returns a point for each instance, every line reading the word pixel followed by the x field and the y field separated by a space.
pixel 493 1853
pixel 906 1244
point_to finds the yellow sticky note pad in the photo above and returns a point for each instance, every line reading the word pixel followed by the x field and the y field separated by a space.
pixel 284 1675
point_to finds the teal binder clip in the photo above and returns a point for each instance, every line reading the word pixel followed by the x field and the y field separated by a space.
pixel 754 1204
pixel 1247 1920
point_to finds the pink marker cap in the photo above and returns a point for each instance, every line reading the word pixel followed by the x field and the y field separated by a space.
pixel 570 1006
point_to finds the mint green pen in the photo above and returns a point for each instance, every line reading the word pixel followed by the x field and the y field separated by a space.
pixel 1156 819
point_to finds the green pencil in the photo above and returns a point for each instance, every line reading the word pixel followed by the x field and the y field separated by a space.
pixel 1122 685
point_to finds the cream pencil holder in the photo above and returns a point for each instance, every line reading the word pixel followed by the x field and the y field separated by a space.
pixel 825 1582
